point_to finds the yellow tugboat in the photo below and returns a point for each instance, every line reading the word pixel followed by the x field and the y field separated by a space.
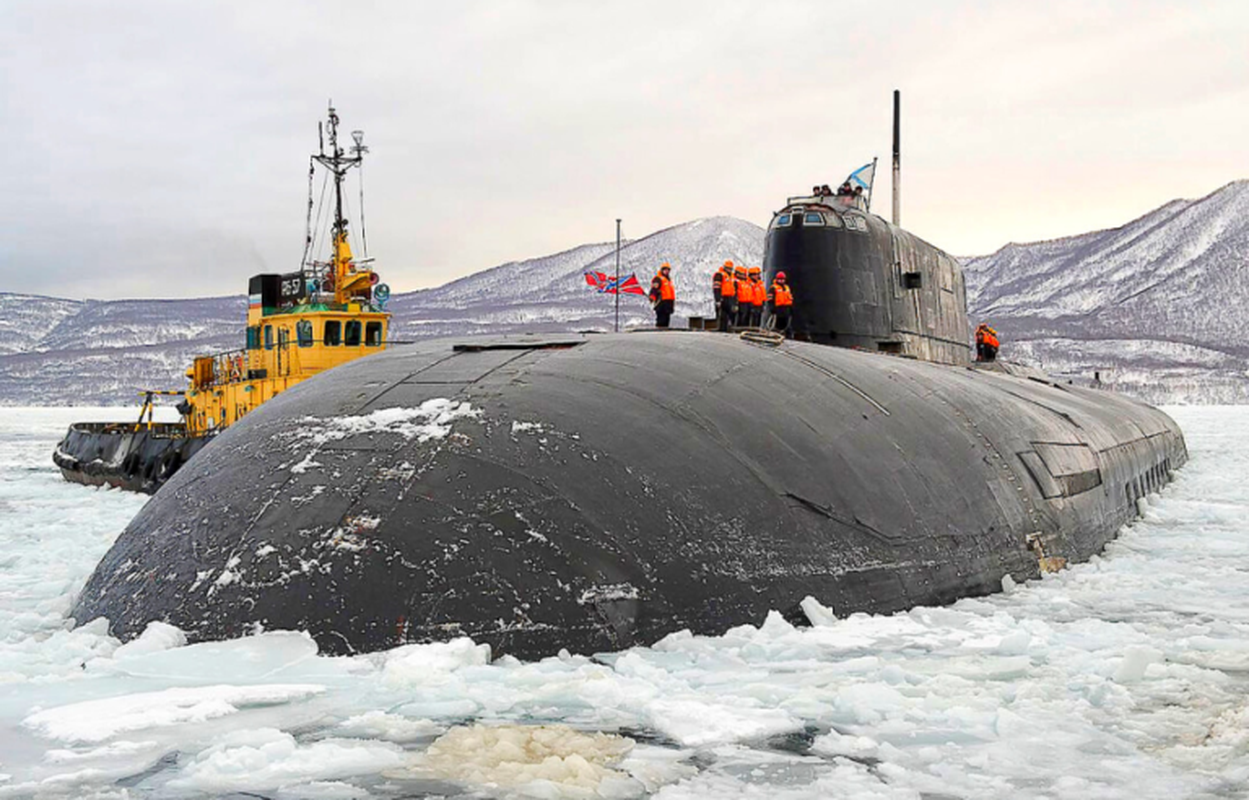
pixel 298 325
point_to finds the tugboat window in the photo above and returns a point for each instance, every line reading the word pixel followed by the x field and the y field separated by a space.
pixel 268 337
pixel 333 333
pixel 813 218
pixel 352 338
pixel 253 338
pixel 303 330
pixel 784 221
pixel 373 334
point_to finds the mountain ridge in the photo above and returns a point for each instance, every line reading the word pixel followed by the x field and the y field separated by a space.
pixel 1171 275
pixel 1145 303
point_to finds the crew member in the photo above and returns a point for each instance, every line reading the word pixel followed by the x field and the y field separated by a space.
pixel 663 296
pixel 986 343
pixel 991 344
pixel 758 296
pixel 724 292
pixel 745 296
pixel 781 302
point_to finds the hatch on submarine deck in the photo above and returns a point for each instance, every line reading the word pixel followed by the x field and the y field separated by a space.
pixel 595 492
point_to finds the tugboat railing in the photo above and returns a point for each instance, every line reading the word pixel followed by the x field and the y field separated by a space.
pixel 231 366
pixel 157 429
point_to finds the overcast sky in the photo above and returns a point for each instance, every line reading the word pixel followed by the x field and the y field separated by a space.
pixel 160 149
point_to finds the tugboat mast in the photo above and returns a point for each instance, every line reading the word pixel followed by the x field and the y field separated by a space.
pixel 338 163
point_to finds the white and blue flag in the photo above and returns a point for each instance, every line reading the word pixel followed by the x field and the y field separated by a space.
pixel 863 176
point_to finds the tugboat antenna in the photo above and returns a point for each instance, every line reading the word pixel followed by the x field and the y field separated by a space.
pixel 303 262
pixel 360 149
pixel 339 170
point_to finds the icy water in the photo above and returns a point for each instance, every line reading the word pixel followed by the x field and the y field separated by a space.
pixel 1124 678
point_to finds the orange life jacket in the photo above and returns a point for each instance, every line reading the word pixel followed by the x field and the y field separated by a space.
pixel 666 290
pixel 722 284
pixel 782 296
pixel 990 339
pixel 759 293
pixel 744 292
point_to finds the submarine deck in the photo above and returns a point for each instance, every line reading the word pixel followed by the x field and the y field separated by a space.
pixel 591 492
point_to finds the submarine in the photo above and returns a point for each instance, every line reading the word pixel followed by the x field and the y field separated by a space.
pixel 593 492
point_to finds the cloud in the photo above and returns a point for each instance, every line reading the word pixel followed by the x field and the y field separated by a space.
pixel 161 149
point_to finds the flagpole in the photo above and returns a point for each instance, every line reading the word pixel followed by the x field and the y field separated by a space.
pixel 617 276
pixel 871 187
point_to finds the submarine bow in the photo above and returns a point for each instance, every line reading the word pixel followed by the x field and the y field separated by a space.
pixel 599 491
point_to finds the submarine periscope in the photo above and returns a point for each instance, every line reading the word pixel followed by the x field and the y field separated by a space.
pixel 598 491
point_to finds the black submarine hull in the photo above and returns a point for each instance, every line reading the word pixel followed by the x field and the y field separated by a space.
pixel 602 491
pixel 125 455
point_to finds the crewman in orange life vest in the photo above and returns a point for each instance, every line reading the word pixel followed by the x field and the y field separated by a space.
pixel 745 296
pixel 758 297
pixel 724 293
pixel 663 295
pixel 781 299
pixel 987 343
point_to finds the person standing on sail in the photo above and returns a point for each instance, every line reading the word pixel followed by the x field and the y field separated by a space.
pixel 663 296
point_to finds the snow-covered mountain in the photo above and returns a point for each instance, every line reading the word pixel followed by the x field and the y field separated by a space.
pixel 549 293
pixel 1157 305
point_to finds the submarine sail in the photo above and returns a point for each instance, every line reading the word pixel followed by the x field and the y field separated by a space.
pixel 861 282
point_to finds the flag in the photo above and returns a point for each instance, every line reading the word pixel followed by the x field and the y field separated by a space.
pixel 603 284
pixel 863 176
pixel 630 285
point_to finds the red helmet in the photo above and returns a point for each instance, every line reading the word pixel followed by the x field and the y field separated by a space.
pixel 780 276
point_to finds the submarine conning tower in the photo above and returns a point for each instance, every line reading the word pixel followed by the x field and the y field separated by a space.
pixel 862 282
